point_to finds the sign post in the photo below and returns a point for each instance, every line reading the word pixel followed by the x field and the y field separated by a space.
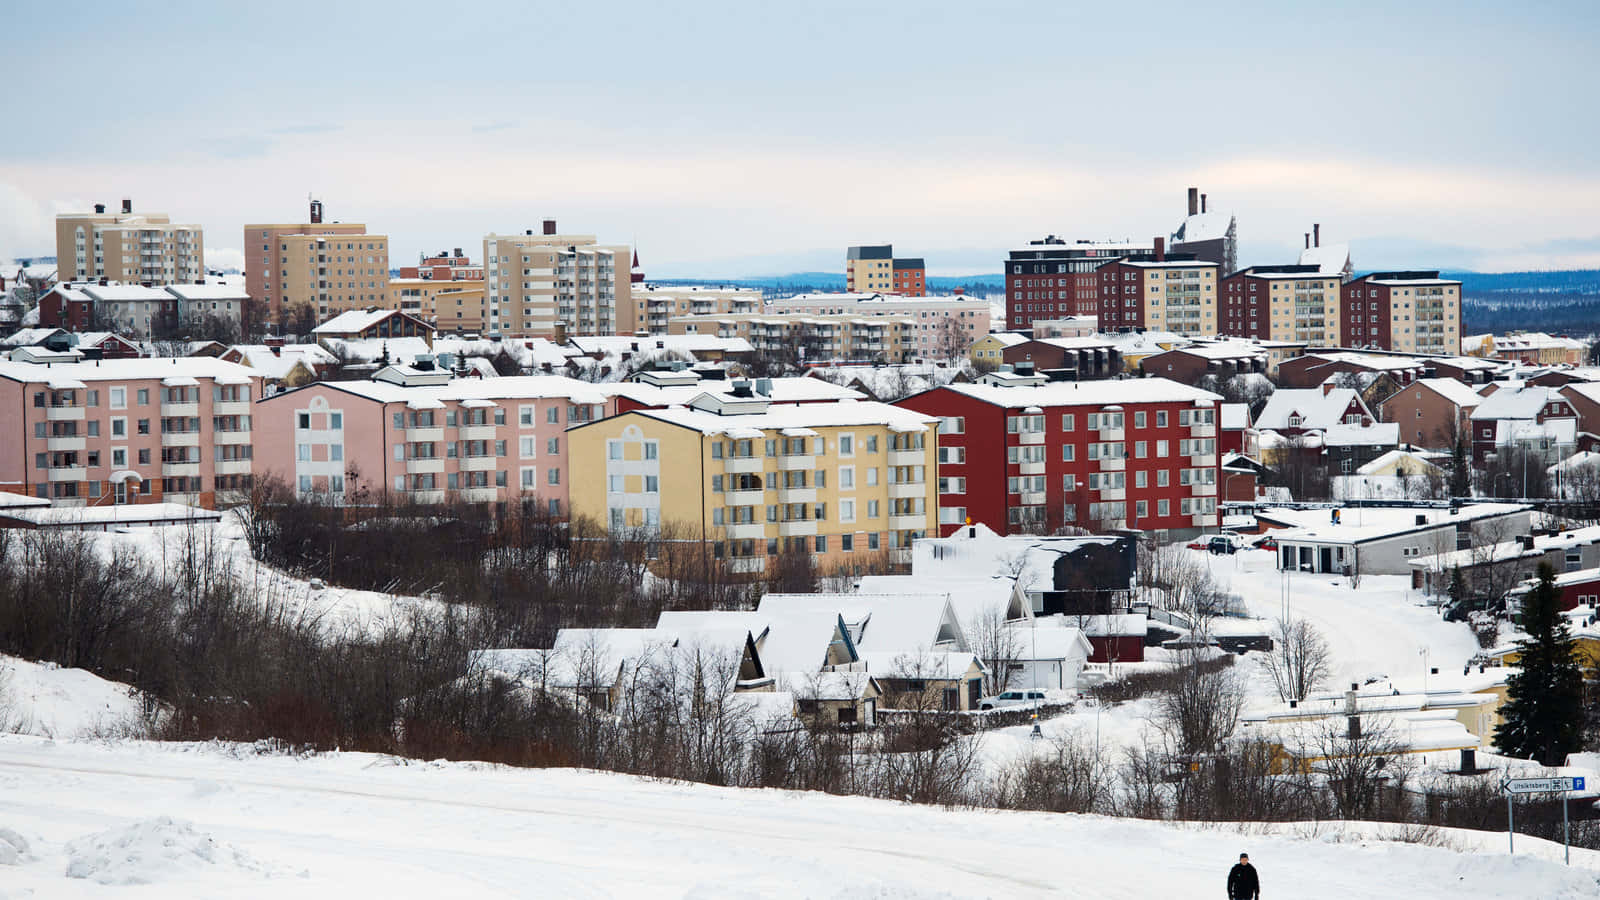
pixel 1562 786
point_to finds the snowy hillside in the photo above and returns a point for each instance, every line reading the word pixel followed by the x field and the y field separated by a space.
pixel 49 701
pixel 89 820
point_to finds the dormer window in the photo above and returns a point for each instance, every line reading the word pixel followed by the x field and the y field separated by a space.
pixel 1295 420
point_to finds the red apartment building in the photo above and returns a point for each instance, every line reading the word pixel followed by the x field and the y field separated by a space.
pixel 1051 279
pixel 910 276
pixel 1413 312
pixel 1028 459
pixel 1160 294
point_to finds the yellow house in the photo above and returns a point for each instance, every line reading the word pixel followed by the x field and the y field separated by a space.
pixel 850 482
pixel 988 351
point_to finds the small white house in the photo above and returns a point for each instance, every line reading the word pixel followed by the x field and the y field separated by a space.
pixel 1046 657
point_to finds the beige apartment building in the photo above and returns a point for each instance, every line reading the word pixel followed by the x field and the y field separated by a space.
pixel 838 338
pixel 124 247
pixel 535 281
pixel 654 304
pixel 334 266
pixel 1162 294
pixel 458 306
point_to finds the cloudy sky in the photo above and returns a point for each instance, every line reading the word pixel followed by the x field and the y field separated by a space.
pixel 754 138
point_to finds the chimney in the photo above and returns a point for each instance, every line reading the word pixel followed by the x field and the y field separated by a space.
pixel 1202 202
pixel 1161 249
pixel 1194 200
pixel 316 212
pixel 127 206
pixel 99 209
pixel 1316 235
pixel 458 252
pixel 1308 240
pixel 549 226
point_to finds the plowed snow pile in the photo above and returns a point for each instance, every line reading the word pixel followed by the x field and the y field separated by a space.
pixel 151 851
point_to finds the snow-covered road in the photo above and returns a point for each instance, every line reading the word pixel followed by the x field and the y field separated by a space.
pixel 204 821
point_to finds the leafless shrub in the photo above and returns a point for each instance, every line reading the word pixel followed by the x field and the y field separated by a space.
pixel 1299 661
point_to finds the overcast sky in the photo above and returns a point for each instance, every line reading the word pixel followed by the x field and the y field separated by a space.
pixel 755 138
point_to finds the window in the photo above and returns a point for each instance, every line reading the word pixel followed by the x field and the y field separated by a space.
pixel 1161 448
pixel 1139 448
pixel 1161 418
pixel 144 396
pixel 650 449
pixel 952 424
pixel 652 484
pixel 872 447
pixel 119 457
pixel 953 455
pixel 552 446
pixel 613 449
pixel 335 421
pixel 1068 452
pixel 847 510
pixel 554 476
pixel 822 543
pixel 553 415
pixel 847 543
pixel 305 421
pixel 336 452
pixel 119 398
pixel 528 447
pixel 119 426
pixel 1163 507
pixel 1138 422
pixel 1067 422
pixel 872 509
pixel 847 445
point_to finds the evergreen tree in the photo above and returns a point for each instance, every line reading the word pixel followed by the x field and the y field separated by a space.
pixel 1543 715
pixel 1458 587
pixel 1460 470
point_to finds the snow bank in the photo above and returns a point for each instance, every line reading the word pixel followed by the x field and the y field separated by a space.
pixel 46 700
pixel 152 851
pixel 13 848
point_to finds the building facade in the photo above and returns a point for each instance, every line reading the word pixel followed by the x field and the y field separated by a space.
pixel 1179 296
pixel 142 312
pixel 536 281
pixel 1409 312
pixel 1097 455
pixel 1294 303
pixel 936 326
pixel 655 304
pixel 443 266
pixel 452 305
pixel 812 338
pixel 1051 278
pixel 129 431
pixel 428 438
pixel 134 249
pixel 843 481
pixel 329 266
pixel 1209 236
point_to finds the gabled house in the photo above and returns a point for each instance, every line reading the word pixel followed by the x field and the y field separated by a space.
pixel 1536 420
pixel 1432 412
pixel 359 324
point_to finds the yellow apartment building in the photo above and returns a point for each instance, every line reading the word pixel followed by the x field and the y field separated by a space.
pixel 848 481
pixel 533 282
pixel 450 305
pixel 128 248
pixel 847 337
pixel 333 266
pixel 654 304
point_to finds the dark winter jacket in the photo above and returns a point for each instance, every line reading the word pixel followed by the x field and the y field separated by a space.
pixel 1242 883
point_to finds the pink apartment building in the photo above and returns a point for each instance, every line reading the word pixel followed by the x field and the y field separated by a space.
pixel 128 430
pixel 427 437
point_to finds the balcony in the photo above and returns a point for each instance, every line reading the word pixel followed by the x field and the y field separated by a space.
pixel 744 498
pixel 1120 493
pixel 68 473
pixel 424 435
pixel 1203 459
pixel 793 463
pixel 797 495
pixel 746 531
pixel 180 410
pixel 64 413
pixel 1111 434
pixel 1205 490
pixel 907 490
pixel 231 408
pixel 1030 437
pixel 478 463
pixel 230 437
pixel 907 457
pixel 477 432
pixel 908 523
pixel 74 442
pixel 747 565
pixel 744 465
pixel 1032 498
pixel 803 527
pixel 1113 463
pixel 180 438
pixel 180 468
pixel 1031 468
pixel 233 467
pixel 480 494
pixel 434 496
pixel 1204 520
pixel 1202 431
pixel 424 465
pixel 900 556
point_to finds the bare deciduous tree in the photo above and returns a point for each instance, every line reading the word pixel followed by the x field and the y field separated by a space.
pixel 996 643
pixel 1299 660
pixel 1203 706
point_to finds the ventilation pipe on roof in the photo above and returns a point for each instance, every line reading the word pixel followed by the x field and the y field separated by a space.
pixel 1308 240
pixel 1161 249
pixel 99 208
pixel 127 205
pixel 1316 235
pixel 1202 203
pixel 1194 200
pixel 549 226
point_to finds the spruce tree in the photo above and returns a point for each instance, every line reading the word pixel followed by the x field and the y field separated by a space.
pixel 1460 470
pixel 1542 718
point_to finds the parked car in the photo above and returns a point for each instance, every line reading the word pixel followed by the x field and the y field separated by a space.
pixel 1011 698
pixel 1266 543
pixel 1218 543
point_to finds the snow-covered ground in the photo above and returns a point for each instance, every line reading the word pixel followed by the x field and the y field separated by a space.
pixel 140 820
pixel 45 700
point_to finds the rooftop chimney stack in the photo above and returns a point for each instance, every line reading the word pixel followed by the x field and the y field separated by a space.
pixel 1161 249
pixel 1308 240
pixel 316 212
pixel 1316 235
pixel 99 209
pixel 549 226
pixel 1202 203
pixel 1194 200
pixel 127 206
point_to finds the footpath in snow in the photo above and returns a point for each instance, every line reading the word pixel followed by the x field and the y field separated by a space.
pixel 137 820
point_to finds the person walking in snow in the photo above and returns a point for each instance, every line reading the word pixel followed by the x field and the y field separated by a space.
pixel 1242 883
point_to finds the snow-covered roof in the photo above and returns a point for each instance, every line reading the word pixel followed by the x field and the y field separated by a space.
pixel 1234 415
pixel 1315 407
pixel 1052 642
pixel 28 337
pixel 1008 338
pixel 208 291
pixel 1524 402
pixel 355 321
pixel 515 387
pixel 129 514
pixel 932 664
pixel 1520 431
pixel 783 390
pixel 1330 259
pixel 370 350
pixel 684 343
pixel 9 500
pixel 1359 524
pixel 1206 226
pixel 794 415
pixel 1583 459
pixel 125 369
pixel 1086 393
pixel 1223 350
pixel 276 363
pixel 1458 394
pixel 1374 433
pixel 1412 461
